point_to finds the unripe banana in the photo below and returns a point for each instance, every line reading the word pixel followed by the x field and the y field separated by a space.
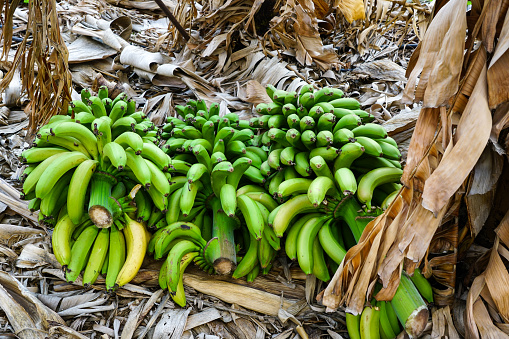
pixel 422 285
pixel 353 325
pixel 293 233
pixel 346 181
pixel 228 200
pixel 61 240
pixel 296 205
pixel 35 154
pixel 370 323
pixel 305 242
pixel 56 170
pixel 369 130
pixel 252 215
pixel 349 152
pixel 293 186
pixel 348 103
pixel 371 147
pixel 80 252
pixel 319 188
pixel 374 178
pixel 97 257
pixel 76 195
pixel 320 269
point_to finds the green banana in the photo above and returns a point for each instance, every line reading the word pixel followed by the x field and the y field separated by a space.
pixel 374 178
pixel 97 257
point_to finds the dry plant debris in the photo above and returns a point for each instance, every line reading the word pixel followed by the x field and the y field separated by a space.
pixel 236 48
pixel 454 170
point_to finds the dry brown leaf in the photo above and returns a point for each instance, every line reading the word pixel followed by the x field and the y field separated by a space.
pixel 423 136
pixel 351 9
pixel 254 92
pixel 497 280
pixel 489 25
pixel 468 82
pixel 471 136
pixel 498 76
pixel 440 58
pixel 309 44
pixel 45 58
pixel 481 191
pixel 484 323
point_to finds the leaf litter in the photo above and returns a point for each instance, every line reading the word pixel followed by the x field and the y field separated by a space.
pixel 236 47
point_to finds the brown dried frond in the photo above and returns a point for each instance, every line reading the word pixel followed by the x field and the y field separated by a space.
pixel 43 64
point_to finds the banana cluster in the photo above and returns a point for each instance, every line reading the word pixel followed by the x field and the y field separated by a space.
pixel 217 208
pixel 79 172
pixel 385 319
pixel 326 160
pixel 115 253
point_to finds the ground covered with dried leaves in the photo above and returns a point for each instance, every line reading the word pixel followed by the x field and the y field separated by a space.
pixel 236 47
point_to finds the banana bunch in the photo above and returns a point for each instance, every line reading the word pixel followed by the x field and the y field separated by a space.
pixel 115 253
pixel 76 160
pixel 326 160
pixel 79 173
pixel 385 319
pixel 217 208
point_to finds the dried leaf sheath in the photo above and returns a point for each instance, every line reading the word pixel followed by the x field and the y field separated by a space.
pixel 43 64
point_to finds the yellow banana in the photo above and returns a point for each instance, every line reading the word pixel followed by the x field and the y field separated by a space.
pixel 136 243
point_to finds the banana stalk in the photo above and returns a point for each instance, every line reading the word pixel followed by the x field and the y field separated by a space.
pixel 349 210
pixel 99 208
pixel 223 254
pixel 410 308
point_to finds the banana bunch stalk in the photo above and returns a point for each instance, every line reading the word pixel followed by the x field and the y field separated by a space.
pixel 78 174
pixel 217 207
pixel 385 319
pixel 330 166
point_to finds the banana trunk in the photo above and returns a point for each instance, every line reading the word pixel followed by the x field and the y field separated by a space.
pixel 99 209
pixel 223 254
pixel 410 308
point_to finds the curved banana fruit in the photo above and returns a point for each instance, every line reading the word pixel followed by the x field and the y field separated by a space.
pixel 78 186
pixel 36 154
pixel 329 243
pixel 370 323
pixel 251 212
pixel 319 188
pixel 136 244
pixel 293 233
pixel 346 180
pixel 320 269
pixel 156 155
pixel 173 261
pixel 422 285
pixel 97 257
pixel 228 199
pixel 115 154
pixel 117 246
pixel 374 178
pixel 287 211
pixel 130 139
pixel 180 297
pixel 249 261
pixel 55 170
pixel 305 241
pixel 353 323
pixel 80 252
pixel 80 132
pixel 61 240
pixel 139 167
pixel 293 186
